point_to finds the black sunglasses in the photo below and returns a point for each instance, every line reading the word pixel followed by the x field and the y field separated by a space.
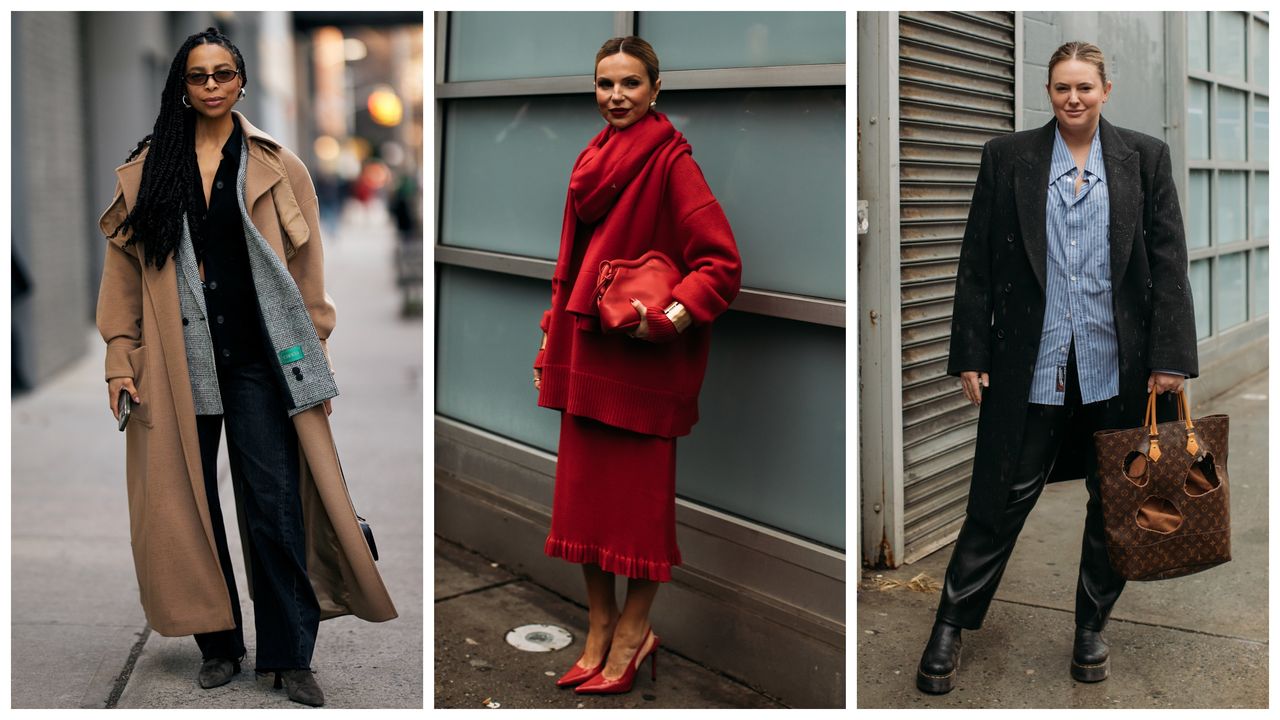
pixel 220 77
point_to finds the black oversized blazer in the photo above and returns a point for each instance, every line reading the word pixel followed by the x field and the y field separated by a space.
pixel 1000 293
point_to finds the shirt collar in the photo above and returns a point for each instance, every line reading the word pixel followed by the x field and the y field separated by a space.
pixel 231 148
pixel 1062 162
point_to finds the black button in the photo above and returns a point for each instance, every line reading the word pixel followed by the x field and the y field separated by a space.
pixel 1008 287
pixel 1000 334
pixel 220 319
pixel 218 184
pixel 297 370
pixel 213 284
pixel 204 217
pixel 184 321
pixel 298 375
pixel 1009 238
pixel 1148 282
pixel 226 353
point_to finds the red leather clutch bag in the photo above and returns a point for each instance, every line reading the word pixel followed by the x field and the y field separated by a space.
pixel 649 279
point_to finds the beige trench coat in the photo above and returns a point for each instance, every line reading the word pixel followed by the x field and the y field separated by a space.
pixel 179 578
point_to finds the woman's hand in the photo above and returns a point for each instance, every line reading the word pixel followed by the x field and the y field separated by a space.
pixel 114 385
pixel 537 369
pixel 642 330
pixel 1164 382
pixel 655 326
pixel 972 382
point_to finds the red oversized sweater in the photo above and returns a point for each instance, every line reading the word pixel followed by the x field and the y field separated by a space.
pixel 621 381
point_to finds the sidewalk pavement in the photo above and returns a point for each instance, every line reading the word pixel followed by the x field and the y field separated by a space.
pixel 478 601
pixel 1198 641
pixel 79 638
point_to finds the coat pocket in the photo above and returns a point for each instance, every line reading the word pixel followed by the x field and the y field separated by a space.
pixel 141 412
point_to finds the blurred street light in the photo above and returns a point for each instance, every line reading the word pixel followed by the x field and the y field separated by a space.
pixel 354 49
pixel 385 107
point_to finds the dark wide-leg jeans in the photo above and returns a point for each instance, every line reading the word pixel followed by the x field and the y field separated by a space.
pixel 982 550
pixel 263 448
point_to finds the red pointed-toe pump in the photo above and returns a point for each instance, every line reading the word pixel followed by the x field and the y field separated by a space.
pixel 599 685
pixel 578 674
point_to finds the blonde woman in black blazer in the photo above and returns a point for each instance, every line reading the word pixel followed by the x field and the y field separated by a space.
pixel 1010 276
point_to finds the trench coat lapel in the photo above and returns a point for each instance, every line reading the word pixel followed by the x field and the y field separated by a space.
pixel 1124 190
pixel 1031 190
pixel 260 177
pixel 264 172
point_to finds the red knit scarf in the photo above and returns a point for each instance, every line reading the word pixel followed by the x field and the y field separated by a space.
pixel 623 171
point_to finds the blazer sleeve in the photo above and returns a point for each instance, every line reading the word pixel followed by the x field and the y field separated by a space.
pixel 708 246
pixel 306 265
pixel 1172 340
pixel 971 315
pixel 119 311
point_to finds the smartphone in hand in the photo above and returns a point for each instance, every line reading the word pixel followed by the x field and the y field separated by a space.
pixel 125 406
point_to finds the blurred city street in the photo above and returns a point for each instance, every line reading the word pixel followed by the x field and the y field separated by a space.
pixel 79 638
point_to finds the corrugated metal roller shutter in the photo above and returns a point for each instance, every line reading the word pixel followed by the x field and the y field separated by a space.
pixel 955 93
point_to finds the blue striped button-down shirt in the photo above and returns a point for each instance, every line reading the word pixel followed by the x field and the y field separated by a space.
pixel 1077 282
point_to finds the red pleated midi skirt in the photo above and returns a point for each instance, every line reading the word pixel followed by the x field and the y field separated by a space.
pixel 615 500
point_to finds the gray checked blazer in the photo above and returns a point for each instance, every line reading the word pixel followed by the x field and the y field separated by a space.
pixel 304 371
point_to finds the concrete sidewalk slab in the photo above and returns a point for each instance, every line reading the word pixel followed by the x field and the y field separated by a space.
pixel 1196 641
pixel 75 613
pixel 477 603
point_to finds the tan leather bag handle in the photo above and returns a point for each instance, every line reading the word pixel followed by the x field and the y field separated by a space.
pixel 1184 414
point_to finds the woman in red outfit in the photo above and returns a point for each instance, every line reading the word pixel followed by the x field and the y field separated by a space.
pixel 634 189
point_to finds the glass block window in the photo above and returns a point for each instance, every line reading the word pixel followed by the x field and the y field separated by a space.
pixel 1258 282
pixel 749 39
pixel 1228 125
pixel 1200 287
pixel 1259 52
pixel 1198 213
pixel 1198 40
pixel 1232 309
pixel 1228 118
pixel 1258 202
pixel 1198 120
pixel 1230 208
pixel 1229 46
pixel 504 45
pixel 1261 110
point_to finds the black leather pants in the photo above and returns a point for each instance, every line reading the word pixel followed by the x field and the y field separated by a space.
pixel 982 550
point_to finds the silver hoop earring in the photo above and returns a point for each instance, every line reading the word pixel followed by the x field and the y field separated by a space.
pixel 242 93
pixel 653 103
pixel 185 103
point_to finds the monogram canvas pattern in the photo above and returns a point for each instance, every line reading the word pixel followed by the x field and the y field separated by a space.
pixel 1203 539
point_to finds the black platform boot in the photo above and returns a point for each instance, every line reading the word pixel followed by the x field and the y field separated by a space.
pixel 1090 661
pixel 940 661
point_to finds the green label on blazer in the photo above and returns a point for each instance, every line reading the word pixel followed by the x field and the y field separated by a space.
pixel 288 355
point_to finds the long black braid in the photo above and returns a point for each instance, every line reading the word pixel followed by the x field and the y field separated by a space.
pixel 168 173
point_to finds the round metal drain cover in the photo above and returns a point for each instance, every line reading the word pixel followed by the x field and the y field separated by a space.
pixel 539 638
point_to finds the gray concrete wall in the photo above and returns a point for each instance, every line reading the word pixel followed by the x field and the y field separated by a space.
pixel 123 96
pixel 50 199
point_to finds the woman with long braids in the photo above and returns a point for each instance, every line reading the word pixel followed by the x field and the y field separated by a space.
pixel 634 190
pixel 213 308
